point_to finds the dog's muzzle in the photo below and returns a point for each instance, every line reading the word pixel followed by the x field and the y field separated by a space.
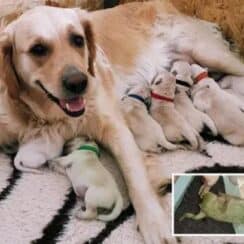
pixel 74 81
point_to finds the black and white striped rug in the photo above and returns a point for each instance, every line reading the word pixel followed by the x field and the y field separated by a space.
pixel 37 208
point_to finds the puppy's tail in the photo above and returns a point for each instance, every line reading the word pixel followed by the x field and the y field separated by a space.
pixel 21 167
pixel 115 211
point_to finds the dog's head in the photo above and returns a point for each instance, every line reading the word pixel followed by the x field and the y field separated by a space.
pixel 164 83
pixel 142 89
pixel 77 142
pixel 182 72
pixel 48 53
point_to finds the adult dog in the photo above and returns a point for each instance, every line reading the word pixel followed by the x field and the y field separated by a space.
pixel 55 89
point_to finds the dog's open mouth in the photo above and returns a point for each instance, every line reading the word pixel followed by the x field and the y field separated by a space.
pixel 74 106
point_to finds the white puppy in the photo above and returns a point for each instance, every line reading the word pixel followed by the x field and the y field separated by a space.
pixel 92 183
pixel 226 110
pixel 197 119
pixel 147 132
pixel 176 128
pixel 233 85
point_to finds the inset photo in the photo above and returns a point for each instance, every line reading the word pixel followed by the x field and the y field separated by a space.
pixel 211 204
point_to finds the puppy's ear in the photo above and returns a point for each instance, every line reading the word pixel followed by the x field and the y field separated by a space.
pixel 7 70
pixel 90 40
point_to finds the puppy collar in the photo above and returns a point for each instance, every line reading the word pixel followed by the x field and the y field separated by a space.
pixel 163 98
pixel 91 148
pixel 182 83
pixel 201 76
pixel 146 102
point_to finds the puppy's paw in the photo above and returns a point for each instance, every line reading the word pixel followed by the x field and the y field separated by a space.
pixel 28 161
pixel 154 225
pixel 154 148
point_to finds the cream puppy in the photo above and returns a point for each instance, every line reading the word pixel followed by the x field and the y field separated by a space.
pixel 197 119
pixel 176 128
pixel 147 132
pixel 226 110
pixel 233 85
pixel 92 183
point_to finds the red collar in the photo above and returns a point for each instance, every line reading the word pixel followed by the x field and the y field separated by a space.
pixel 160 97
pixel 201 76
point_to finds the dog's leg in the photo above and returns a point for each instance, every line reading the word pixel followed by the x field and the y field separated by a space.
pixel 211 51
pixel 152 219
pixel 190 136
pixel 35 153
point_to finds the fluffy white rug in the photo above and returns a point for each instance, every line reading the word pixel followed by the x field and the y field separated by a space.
pixel 37 208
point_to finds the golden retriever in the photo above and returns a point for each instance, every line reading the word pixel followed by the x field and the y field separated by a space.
pixel 56 89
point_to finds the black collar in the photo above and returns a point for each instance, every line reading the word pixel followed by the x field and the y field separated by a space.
pixel 146 102
pixel 182 83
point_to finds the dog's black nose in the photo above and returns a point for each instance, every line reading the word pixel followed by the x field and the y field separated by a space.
pixel 74 80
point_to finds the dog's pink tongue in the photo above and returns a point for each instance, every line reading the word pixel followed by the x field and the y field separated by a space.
pixel 73 105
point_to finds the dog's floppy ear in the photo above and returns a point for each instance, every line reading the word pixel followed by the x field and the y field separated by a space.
pixel 90 40
pixel 7 70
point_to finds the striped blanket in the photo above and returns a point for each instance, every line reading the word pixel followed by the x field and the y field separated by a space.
pixel 37 208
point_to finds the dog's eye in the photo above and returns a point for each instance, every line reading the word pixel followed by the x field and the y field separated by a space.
pixel 174 72
pixel 158 82
pixel 77 40
pixel 39 50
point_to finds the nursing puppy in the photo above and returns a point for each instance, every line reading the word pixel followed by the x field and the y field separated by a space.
pixel 226 110
pixel 197 119
pixel 147 132
pixel 92 183
pixel 163 110
pixel 233 85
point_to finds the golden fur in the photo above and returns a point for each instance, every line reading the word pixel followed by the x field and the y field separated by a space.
pixel 133 42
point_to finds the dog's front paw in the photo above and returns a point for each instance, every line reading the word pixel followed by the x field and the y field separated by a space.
pixel 28 161
pixel 154 225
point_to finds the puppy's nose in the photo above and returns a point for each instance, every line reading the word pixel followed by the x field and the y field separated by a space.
pixel 74 80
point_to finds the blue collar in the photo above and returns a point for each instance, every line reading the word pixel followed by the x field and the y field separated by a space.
pixel 146 102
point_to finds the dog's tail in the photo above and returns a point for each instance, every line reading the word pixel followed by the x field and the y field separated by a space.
pixel 115 211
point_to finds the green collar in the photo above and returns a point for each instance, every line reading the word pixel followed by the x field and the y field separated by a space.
pixel 91 148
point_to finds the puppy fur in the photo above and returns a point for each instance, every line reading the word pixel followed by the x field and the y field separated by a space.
pixel 197 119
pixel 233 85
pixel 226 110
pixel 176 128
pixel 92 183
pixel 147 132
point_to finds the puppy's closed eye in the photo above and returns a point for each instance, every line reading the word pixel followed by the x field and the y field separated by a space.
pixel 158 82
pixel 174 72
pixel 68 166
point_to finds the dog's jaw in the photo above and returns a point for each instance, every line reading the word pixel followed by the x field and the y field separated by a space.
pixel 73 107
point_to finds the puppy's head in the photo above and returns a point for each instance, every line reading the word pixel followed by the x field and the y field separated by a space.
pixel 182 72
pixel 48 54
pixel 206 88
pixel 75 143
pixel 196 70
pixel 141 89
pixel 164 84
